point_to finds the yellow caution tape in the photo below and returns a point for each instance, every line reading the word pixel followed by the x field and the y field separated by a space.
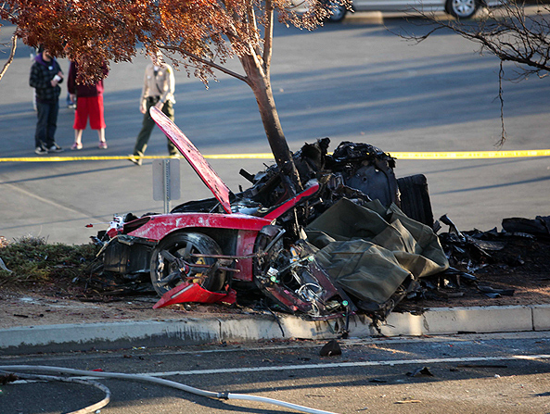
pixel 58 159
pixel 125 157
pixel 469 154
pixel 399 155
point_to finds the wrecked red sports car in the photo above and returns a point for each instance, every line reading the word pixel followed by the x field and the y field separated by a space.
pixel 211 250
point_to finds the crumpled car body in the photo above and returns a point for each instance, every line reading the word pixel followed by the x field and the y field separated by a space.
pixel 261 239
pixel 202 249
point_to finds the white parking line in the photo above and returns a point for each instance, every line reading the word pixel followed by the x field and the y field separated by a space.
pixel 350 365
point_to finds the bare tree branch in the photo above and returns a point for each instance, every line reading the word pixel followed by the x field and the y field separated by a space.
pixel 10 58
pixel 509 33
pixel 500 143
pixel 210 63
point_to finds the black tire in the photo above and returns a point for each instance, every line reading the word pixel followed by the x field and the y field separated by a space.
pixel 338 12
pixel 461 9
pixel 415 198
pixel 183 245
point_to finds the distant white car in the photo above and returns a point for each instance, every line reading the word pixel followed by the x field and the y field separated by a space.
pixel 462 9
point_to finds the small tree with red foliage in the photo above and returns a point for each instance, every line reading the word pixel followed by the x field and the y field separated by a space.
pixel 200 35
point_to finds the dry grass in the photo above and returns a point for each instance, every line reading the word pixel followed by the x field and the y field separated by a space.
pixel 31 260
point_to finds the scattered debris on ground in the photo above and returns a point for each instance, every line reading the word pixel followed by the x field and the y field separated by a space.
pixel 331 348
pixel 118 300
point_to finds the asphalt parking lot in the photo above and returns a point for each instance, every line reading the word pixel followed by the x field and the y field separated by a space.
pixel 458 374
pixel 365 84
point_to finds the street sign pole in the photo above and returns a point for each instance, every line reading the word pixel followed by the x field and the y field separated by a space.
pixel 166 181
pixel 166 184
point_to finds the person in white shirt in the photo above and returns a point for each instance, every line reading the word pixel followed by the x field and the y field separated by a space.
pixel 158 90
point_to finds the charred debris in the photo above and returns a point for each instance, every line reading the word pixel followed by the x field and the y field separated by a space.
pixel 356 240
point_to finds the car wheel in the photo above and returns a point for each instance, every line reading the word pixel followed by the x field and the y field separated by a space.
pixel 461 9
pixel 415 198
pixel 167 260
pixel 338 12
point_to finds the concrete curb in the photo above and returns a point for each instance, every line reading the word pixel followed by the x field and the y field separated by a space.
pixel 188 331
pixel 488 319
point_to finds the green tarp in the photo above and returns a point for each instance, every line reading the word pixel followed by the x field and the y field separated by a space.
pixel 370 250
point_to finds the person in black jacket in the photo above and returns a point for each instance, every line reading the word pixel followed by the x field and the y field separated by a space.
pixel 46 75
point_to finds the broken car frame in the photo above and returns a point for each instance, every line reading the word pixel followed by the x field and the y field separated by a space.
pixel 207 250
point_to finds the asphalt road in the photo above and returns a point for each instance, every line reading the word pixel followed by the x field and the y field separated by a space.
pixel 356 81
pixel 454 375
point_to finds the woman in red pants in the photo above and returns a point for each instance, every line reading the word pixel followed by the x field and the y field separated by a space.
pixel 89 104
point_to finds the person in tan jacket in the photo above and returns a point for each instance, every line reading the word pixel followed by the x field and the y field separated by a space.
pixel 158 90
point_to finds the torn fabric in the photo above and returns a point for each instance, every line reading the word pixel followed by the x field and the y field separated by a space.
pixel 370 250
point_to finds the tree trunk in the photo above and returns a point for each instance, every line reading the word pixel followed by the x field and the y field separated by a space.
pixel 258 80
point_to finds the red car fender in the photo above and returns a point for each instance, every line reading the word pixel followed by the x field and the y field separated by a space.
pixel 193 292
pixel 163 224
pixel 245 247
pixel 246 227
pixel 283 208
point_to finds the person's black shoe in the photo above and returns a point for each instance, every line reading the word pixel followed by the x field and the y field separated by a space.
pixel 41 150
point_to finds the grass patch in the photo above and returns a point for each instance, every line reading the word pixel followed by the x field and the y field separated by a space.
pixel 30 260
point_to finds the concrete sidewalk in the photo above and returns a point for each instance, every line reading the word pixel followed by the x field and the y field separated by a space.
pixel 189 330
